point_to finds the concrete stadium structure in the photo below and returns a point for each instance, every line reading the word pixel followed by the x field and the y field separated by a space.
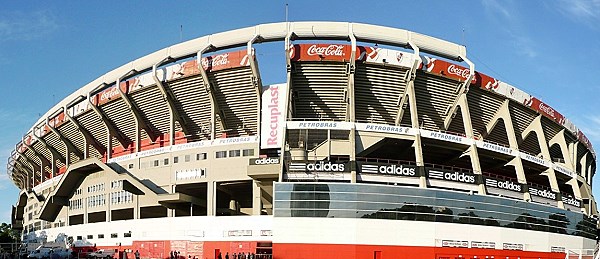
pixel 382 143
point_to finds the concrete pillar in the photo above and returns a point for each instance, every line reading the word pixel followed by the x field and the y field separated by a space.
pixel 256 198
pixel 211 203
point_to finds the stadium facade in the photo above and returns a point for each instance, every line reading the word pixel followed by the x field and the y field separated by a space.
pixel 382 143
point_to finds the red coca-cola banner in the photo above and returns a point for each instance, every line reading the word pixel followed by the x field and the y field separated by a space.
pixel 547 111
pixel 112 93
pixel 226 60
pixel 322 52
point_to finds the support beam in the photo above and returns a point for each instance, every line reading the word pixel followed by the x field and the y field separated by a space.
pixel 461 96
pixel 417 145
pixel 53 151
pixel 170 98
pixel 256 80
pixel 70 147
pixel 560 140
pixel 410 83
pixel 135 112
pixel 87 136
pixel 112 130
pixel 536 127
pixel 43 160
pixel 351 103
pixel 210 89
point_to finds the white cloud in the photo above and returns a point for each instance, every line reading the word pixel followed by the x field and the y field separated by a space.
pixel 26 26
pixel 583 11
pixel 506 15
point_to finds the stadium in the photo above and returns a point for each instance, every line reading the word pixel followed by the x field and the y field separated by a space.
pixel 381 143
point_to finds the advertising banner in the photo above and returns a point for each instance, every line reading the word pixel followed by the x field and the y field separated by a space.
pixel 453 176
pixel 388 169
pixel 547 194
pixel 322 52
pixel 272 116
pixel 504 185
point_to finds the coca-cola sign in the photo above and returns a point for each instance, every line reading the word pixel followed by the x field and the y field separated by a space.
pixel 331 50
pixel 226 60
pixel 458 71
pixel 547 111
pixel 108 94
pixel 215 61
pixel 322 52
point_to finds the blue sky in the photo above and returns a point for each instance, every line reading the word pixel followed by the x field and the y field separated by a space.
pixel 48 49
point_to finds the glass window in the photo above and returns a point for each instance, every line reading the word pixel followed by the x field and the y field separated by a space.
pixel 100 236
pixel 175 160
pixel 114 235
pixel 155 163
pixel 165 161
pixel 187 158
pixel 248 152
pixel 221 154
pixel 201 156
pixel 234 153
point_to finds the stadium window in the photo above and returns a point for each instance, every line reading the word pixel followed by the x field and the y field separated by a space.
pixel 187 158
pixel 114 235
pixel 248 152
pixel 175 160
pixel 79 238
pixel 201 156
pixel 100 236
pixel 165 161
pixel 127 234
pixel 130 166
pixel 90 236
pixel 221 154
pixel 234 153
pixel 155 163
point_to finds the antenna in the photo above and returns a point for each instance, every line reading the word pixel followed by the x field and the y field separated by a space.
pixel 463 37
pixel 286 12
pixel 181 33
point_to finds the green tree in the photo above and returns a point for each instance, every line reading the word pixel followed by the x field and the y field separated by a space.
pixel 7 234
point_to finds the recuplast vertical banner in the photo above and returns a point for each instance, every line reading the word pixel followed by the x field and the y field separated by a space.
pixel 272 116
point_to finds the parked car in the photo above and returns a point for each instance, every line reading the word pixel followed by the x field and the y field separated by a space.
pixel 107 254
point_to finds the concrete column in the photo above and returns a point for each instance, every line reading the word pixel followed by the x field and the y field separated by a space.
pixel 256 198
pixel 85 210
pixel 211 203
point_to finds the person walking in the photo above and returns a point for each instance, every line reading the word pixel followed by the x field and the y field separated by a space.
pixel 137 254
pixel 227 255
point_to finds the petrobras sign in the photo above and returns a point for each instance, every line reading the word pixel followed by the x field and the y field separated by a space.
pixel 571 201
pixel 504 185
pixel 332 125
pixel 264 161
pixel 494 147
pixel 446 137
pixel 319 166
pixel 388 169
pixel 533 159
pixel 563 170
pixel 272 116
pixel 455 243
pixel 486 245
pixel 453 176
pixel 509 246
pixel 385 129
pixel 542 193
